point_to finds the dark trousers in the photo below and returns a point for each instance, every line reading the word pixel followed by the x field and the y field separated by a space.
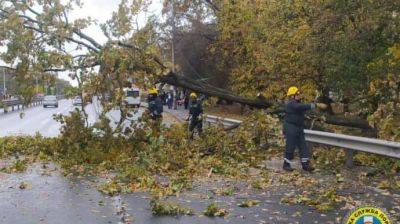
pixel 294 136
pixel 169 101
pixel 195 123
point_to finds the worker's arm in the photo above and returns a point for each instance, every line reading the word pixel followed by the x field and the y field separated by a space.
pixel 311 106
pixel 201 108
pixel 302 106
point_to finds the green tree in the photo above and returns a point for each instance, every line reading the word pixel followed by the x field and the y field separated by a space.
pixel 323 45
pixel 38 34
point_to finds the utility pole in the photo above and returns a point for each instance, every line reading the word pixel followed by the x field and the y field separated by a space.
pixel 56 83
pixel 173 36
pixel 4 82
pixel 173 51
pixel 37 85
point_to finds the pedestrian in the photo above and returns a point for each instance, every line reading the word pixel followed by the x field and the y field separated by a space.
pixel 195 115
pixel 293 129
pixel 163 97
pixel 170 100
pixel 176 100
pixel 186 101
pixel 155 106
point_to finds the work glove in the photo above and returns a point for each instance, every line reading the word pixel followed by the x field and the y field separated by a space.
pixel 321 106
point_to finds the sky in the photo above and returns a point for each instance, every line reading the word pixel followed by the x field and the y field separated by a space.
pixel 101 10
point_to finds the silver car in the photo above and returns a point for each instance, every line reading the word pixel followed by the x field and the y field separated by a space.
pixel 77 101
pixel 50 100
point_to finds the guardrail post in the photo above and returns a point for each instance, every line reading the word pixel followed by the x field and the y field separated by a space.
pixel 349 158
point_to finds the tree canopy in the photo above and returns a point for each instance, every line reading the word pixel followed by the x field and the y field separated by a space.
pixel 344 48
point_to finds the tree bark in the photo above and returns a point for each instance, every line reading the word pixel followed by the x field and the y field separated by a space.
pixel 273 107
pixel 199 87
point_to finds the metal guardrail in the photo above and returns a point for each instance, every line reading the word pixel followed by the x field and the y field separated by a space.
pixel 225 121
pixel 369 145
pixel 12 103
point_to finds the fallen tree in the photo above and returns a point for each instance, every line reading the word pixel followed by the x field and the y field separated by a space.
pixel 33 32
pixel 272 107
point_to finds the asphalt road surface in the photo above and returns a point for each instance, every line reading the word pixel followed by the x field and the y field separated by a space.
pixel 40 120
pixel 36 120
pixel 49 197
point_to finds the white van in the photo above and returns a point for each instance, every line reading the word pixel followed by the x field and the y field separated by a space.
pixel 132 97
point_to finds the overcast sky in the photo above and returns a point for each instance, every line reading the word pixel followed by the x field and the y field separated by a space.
pixel 101 11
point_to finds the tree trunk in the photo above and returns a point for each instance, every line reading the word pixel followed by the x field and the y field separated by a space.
pixel 274 107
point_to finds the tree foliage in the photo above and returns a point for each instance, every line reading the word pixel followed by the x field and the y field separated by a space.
pixel 319 45
pixel 262 46
pixel 41 37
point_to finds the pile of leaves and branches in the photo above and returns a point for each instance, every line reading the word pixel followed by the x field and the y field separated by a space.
pixel 142 159
pixel 139 159
pixel 164 160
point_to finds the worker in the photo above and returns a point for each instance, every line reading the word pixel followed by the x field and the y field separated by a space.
pixel 293 129
pixel 195 115
pixel 155 105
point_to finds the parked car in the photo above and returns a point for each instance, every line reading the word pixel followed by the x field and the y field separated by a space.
pixel 50 100
pixel 77 101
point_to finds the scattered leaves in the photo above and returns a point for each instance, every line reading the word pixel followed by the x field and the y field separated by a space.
pixel 249 203
pixel 23 185
pixel 165 209
pixel 212 210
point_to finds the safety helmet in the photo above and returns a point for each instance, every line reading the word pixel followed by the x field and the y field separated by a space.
pixel 153 91
pixel 292 91
pixel 193 95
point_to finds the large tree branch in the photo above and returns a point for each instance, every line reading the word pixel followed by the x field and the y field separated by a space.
pixel 67 38
pixel 177 80
pixel 156 59
pixel 94 64
pixel 213 5
pixel 76 31
pixel 95 46
pixel 86 37
pixel 72 68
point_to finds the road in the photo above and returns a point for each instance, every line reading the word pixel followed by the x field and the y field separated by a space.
pixel 49 197
pixel 40 120
pixel 35 120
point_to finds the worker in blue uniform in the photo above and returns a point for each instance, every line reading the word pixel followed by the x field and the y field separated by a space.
pixel 293 129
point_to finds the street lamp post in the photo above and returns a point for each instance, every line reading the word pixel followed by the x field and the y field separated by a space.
pixel 173 37
pixel 4 82
pixel 37 85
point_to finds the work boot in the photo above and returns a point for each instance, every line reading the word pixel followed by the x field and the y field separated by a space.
pixel 287 167
pixel 307 166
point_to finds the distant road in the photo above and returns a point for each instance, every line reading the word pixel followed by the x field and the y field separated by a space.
pixel 40 120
